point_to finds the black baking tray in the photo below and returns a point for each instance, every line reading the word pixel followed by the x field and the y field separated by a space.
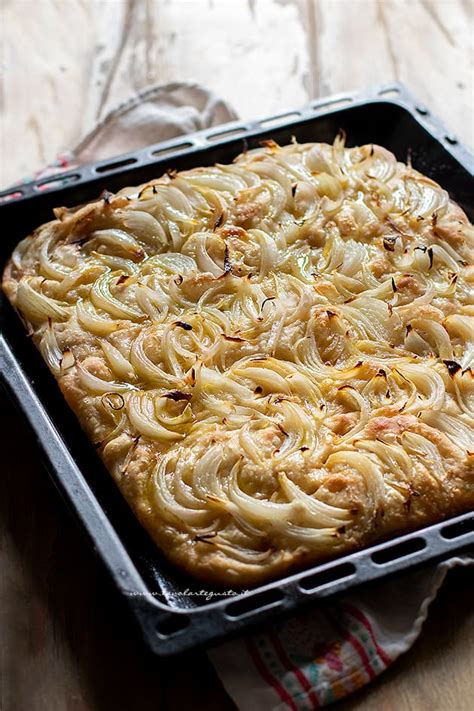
pixel 172 611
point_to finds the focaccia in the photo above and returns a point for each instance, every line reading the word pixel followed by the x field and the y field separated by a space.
pixel 273 357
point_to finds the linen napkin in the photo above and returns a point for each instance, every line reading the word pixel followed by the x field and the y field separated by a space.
pixel 326 653
pixel 157 113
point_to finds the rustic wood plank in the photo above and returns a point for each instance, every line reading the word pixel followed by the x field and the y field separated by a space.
pixel 44 82
pixel 252 53
pixel 424 44
pixel 78 59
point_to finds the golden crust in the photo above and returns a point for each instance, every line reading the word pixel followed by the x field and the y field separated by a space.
pixel 272 357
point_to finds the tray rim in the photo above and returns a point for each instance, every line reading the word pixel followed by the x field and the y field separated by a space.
pixel 392 93
pixel 204 620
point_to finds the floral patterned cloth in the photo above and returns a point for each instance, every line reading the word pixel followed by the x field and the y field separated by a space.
pixel 326 653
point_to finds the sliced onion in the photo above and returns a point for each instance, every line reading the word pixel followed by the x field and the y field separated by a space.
pixel 426 451
pixel 117 362
pixel 458 431
pixel 145 227
pixel 427 382
pixel 37 307
pixel 119 241
pixel 145 368
pixel 322 513
pixel 102 297
pixel 96 385
pixel 141 413
pixel 50 350
pixel 90 321
pixel 436 334
pixel 165 502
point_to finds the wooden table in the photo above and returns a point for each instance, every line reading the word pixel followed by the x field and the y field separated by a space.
pixel 66 642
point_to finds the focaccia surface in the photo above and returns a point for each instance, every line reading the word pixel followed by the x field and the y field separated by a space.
pixel 273 357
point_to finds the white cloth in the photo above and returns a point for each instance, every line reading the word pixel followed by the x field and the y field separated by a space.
pixel 155 114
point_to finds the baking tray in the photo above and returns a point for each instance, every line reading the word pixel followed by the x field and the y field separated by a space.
pixel 171 609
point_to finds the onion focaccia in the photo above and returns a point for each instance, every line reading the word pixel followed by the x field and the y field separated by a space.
pixel 273 357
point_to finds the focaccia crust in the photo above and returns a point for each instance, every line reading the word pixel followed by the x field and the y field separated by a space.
pixel 273 357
